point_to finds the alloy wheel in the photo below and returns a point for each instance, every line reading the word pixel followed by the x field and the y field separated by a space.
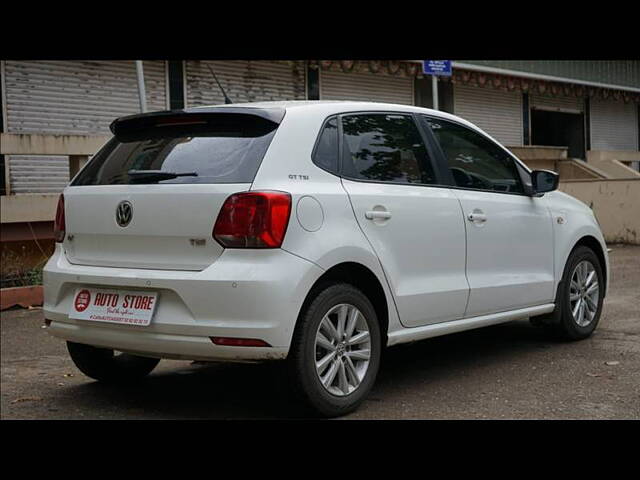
pixel 584 293
pixel 342 349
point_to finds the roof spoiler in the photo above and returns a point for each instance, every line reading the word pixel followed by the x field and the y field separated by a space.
pixel 195 119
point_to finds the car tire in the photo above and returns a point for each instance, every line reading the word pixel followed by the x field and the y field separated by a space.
pixel 312 383
pixel 103 365
pixel 582 265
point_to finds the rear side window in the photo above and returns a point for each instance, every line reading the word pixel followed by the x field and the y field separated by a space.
pixel 385 147
pixel 326 151
pixel 229 153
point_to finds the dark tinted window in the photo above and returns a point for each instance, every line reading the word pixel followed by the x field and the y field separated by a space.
pixel 474 160
pixel 385 147
pixel 227 156
pixel 326 153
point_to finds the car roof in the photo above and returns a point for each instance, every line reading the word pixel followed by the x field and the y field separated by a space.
pixel 328 107
pixel 274 110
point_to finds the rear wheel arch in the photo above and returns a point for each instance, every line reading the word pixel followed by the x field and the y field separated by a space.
pixel 362 278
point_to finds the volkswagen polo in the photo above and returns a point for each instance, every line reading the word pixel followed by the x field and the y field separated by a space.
pixel 315 233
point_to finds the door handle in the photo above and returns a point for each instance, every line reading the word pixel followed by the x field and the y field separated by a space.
pixel 372 214
pixel 477 217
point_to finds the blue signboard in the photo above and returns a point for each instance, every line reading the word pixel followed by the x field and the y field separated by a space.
pixel 437 67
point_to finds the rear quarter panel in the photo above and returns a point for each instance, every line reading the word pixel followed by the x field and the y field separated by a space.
pixel 287 166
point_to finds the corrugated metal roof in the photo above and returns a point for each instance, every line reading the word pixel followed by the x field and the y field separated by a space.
pixel 624 73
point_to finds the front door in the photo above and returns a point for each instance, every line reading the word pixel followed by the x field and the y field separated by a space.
pixel 509 234
pixel 509 251
pixel 415 228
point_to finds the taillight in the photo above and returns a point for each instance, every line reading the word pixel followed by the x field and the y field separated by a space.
pixel 253 220
pixel 59 226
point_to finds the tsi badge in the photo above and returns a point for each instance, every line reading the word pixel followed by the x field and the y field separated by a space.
pixel 124 213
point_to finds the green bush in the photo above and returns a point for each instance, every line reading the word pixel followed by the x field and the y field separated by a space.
pixel 15 273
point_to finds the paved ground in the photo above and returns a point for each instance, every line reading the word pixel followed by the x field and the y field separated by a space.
pixel 510 371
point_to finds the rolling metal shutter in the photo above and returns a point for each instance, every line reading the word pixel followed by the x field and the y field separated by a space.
pixel 70 97
pixel 614 125
pixel 77 97
pixel 557 104
pixel 38 174
pixel 366 87
pixel 244 81
pixel 496 112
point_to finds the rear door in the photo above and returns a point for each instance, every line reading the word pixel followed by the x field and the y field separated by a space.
pixel 415 227
pixel 150 197
pixel 509 234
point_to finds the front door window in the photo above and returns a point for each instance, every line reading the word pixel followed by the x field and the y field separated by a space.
pixel 474 160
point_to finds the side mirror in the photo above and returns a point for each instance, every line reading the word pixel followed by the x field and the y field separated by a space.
pixel 544 181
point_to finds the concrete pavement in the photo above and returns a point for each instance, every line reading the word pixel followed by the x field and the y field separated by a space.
pixel 510 371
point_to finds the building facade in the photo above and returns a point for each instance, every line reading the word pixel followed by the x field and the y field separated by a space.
pixel 582 105
pixel 585 106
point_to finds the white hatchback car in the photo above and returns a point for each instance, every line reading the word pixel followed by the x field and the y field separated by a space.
pixel 316 232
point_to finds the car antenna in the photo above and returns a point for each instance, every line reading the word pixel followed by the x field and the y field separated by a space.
pixel 227 100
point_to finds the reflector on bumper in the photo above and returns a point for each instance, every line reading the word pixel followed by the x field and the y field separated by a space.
pixel 239 342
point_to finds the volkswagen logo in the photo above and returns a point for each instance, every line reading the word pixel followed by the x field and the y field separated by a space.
pixel 124 213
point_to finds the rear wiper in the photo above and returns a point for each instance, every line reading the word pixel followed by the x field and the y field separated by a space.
pixel 159 174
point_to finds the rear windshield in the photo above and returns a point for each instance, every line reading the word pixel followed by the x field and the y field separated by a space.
pixel 215 154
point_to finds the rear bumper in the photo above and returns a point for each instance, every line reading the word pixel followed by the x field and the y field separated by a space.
pixel 244 294
pixel 161 345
